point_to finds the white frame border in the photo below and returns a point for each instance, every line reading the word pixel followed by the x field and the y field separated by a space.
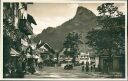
pixel 63 1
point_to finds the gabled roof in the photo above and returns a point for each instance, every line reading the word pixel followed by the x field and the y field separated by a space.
pixel 47 46
pixel 31 19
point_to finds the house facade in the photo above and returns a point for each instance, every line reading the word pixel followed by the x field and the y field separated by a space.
pixel 84 57
pixel 16 29
pixel 46 52
pixel 115 65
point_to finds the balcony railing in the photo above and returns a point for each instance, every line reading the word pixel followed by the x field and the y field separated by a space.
pixel 25 27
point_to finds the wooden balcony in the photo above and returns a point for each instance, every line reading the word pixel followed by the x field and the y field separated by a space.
pixel 25 27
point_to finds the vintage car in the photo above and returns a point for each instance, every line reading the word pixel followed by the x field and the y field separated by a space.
pixel 68 67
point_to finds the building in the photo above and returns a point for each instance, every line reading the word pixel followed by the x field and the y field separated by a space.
pixel 63 57
pixel 117 64
pixel 84 57
pixel 45 51
pixel 16 29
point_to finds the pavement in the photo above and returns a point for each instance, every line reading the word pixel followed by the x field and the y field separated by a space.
pixel 59 73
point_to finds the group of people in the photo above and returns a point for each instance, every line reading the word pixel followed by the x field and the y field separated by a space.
pixel 88 66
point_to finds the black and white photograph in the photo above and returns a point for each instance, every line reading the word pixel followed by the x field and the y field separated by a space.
pixel 64 40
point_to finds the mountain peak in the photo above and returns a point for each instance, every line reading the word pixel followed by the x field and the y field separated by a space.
pixel 81 8
pixel 84 11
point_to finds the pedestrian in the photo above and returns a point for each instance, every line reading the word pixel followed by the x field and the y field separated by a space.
pixel 91 68
pixel 87 66
pixel 36 60
pixel 94 66
pixel 83 67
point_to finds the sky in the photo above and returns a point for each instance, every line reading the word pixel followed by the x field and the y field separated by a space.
pixel 55 14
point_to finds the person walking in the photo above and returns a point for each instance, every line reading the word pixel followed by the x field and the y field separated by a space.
pixel 83 67
pixel 87 66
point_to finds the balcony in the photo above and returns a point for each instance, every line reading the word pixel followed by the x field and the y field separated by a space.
pixel 25 27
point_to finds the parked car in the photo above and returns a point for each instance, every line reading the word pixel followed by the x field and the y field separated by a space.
pixel 66 64
pixel 68 67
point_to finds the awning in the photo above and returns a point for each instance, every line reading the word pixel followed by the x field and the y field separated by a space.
pixel 14 52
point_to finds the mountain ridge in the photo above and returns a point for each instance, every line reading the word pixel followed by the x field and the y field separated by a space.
pixel 83 21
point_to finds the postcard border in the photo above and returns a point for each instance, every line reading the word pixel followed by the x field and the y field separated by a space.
pixel 70 1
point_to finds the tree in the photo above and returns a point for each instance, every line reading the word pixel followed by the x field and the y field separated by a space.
pixel 108 9
pixel 71 45
pixel 112 22
pixel 107 39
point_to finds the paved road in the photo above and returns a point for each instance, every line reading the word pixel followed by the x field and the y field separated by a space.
pixel 59 72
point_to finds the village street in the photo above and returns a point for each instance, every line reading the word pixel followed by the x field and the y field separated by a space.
pixel 59 72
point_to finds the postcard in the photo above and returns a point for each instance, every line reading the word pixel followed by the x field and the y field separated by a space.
pixel 63 40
